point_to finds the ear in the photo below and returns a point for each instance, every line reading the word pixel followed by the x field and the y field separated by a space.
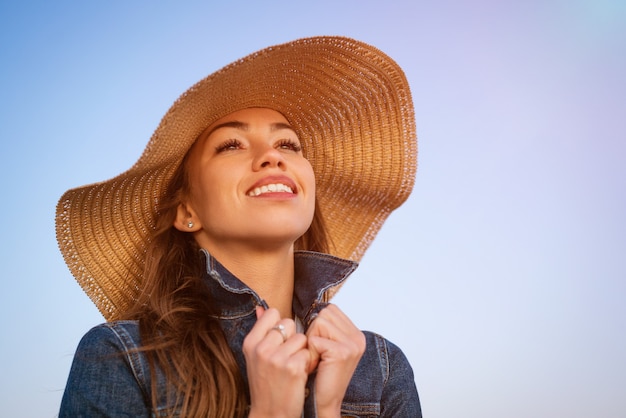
pixel 186 220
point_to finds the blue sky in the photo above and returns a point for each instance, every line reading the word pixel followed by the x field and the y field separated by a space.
pixel 503 277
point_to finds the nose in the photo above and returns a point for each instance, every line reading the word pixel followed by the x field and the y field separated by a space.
pixel 268 157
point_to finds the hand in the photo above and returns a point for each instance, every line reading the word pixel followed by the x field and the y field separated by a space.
pixel 277 368
pixel 339 344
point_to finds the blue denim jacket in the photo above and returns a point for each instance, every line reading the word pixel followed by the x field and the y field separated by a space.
pixel 109 378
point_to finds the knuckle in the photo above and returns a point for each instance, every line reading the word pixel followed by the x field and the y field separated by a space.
pixel 274 362
pixel 292 369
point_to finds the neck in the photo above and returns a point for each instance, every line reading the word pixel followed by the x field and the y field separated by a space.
pixel 269 273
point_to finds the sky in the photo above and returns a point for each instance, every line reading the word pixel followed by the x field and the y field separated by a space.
pixel 503 276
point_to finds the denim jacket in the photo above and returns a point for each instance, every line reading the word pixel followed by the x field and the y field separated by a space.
pixel 108 378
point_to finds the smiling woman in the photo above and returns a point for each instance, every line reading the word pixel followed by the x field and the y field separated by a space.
pixel 251 189
pixel 253 201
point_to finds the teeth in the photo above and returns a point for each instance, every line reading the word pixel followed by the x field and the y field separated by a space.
pixel 277 187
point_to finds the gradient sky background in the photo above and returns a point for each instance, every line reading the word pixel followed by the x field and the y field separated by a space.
pixel 503 277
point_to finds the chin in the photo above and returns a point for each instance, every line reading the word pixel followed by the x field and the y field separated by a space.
pixel 284 238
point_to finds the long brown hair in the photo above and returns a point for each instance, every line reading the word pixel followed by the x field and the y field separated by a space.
pixel 179 331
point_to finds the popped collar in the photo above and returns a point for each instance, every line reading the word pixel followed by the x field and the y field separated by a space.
pixel 316 275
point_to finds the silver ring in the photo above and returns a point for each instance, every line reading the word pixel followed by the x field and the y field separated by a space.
pixel 280 328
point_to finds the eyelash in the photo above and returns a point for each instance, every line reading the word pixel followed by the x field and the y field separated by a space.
pixel 232 144
pixel 290 144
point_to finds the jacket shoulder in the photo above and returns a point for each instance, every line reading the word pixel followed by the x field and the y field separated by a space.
pixel 108 374
pixel 383 383
pixel 384 354
pixel 123 335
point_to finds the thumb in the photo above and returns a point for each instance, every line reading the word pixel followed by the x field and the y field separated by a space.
pixel 314 355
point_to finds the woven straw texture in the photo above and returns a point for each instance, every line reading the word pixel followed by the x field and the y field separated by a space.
pixel 352 109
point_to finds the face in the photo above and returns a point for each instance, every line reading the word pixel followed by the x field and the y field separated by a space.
pixel 249 183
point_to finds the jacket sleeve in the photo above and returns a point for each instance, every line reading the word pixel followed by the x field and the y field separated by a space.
pixel 399 397
pixel 102 382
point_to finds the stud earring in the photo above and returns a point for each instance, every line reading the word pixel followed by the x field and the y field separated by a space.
pixel 190 225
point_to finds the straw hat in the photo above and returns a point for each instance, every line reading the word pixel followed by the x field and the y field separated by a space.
pixel 352 109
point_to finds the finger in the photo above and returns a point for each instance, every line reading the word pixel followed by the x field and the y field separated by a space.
pixel 303 357
pixel 347 351
pixel 292 355
pixel 320 345
pixel 324 346
pixel 332 323
pixel 333 335
pixel 280 328
pixel 314 357
pixel 285 328
pixel 323 326
pixel 295 343
pixel 337 317
pixel 264 323
pixel 259 311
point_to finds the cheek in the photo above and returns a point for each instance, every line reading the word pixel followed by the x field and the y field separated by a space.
pixel 308 176
pixel 310 184
pixel 206 187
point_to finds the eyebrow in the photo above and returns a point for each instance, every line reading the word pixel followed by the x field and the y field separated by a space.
pixel 279 125
pixel 245 127
pixel 233 124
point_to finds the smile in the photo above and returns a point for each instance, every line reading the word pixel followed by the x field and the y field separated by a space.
pixel 270 188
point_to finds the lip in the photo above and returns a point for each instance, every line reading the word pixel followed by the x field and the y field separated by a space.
pixel 273 180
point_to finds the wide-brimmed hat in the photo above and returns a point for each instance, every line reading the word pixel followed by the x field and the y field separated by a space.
pixel 352 109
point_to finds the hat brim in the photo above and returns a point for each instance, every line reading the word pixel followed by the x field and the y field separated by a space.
pixel 352 109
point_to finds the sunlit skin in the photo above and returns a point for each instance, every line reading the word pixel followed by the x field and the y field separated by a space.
pixel 252 195
pixel 252 235
pixel 242 151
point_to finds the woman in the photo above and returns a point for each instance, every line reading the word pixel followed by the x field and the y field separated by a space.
pixel 214 257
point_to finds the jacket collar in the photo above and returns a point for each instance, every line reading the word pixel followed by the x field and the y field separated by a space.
pixel 317 277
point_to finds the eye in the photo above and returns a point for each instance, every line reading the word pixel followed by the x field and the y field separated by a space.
pixel 289 144
pixel 230 145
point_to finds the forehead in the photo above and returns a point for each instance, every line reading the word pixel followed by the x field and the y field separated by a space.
pixel 249 117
